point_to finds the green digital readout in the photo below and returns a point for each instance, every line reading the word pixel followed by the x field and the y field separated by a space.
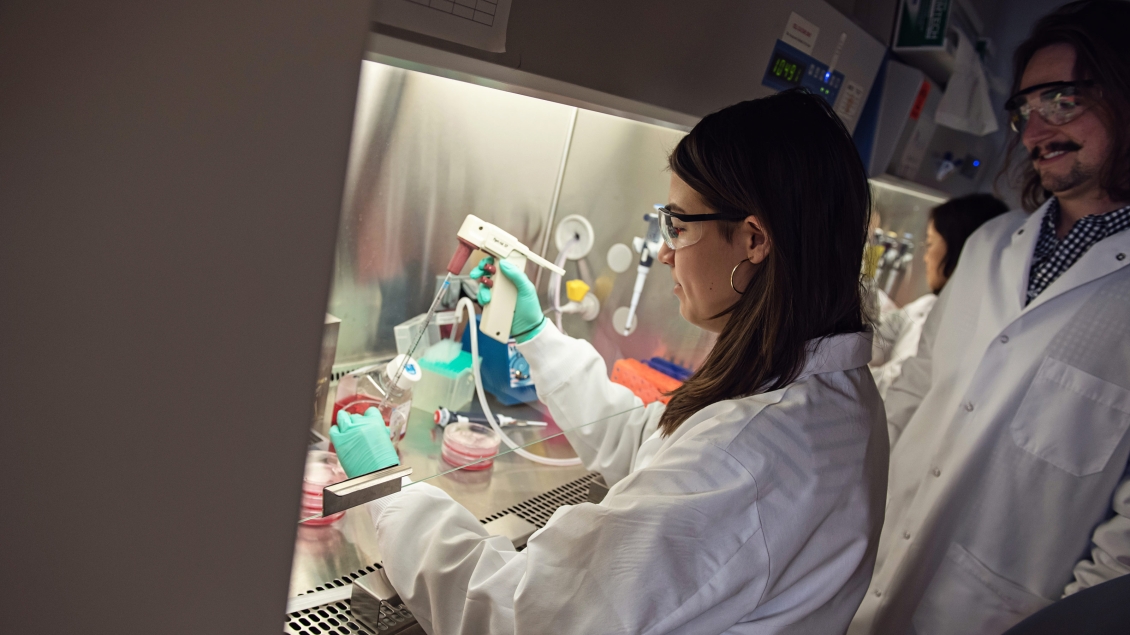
pixel 786 69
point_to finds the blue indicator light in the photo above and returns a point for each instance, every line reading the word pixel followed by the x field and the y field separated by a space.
pixel 789 67
pixel 976 163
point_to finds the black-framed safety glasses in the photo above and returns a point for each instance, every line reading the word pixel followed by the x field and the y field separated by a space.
pixel 1055 102
pixel 683 230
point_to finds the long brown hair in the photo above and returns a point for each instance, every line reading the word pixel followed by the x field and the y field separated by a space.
pixel 957 219
pixel 1098 31
pixel 788 160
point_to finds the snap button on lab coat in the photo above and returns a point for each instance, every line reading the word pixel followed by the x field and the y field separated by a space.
pixel 1121 256
pixel 937 472
pixel 906 535
pixel 1020 232
pixel 1004 339
pixel 969 406
pixel 878 593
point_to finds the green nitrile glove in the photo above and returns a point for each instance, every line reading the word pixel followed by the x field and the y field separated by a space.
pixel 528 318
pixel 362 443
pixel 479 273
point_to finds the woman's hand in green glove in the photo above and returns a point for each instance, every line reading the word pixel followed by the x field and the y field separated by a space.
pixel 362 443
pixel 528 318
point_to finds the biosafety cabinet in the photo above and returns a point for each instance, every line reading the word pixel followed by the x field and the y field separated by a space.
pixel 523 113
pixel 183 170
pixel 528 115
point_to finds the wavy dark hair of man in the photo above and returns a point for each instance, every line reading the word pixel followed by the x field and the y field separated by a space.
pixel 788 160
pixel 1099 31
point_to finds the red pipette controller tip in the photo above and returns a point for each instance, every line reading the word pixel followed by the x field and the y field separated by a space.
pixel 462 253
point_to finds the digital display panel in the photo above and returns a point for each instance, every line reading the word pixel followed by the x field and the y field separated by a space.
pixel 789 68
pixel 786 70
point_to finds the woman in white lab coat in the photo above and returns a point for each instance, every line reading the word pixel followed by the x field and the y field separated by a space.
pixel 947 229
pixel 752 502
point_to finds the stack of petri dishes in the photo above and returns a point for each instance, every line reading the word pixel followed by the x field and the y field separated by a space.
pixel 322 469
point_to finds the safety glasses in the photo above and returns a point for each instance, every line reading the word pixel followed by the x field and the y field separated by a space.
pixel 1055 102
pixel 683 230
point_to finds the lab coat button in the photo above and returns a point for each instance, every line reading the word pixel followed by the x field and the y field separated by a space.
pixel 878 593
pixel 969 406
pixel 1004 339
pixel 1121 256
pixel 906 535
pixel 937 472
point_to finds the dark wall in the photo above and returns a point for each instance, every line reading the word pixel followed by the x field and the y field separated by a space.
pixel 170 182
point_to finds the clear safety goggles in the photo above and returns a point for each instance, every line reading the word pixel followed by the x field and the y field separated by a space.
pixel 683 230
pixel 1055 102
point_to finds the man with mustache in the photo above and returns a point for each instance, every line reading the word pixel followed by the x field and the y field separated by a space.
pixel 1008 481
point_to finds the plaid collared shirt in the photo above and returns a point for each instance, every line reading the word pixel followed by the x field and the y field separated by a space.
pixel 1053 255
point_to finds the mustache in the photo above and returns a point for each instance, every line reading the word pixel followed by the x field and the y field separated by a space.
pixel 1054 146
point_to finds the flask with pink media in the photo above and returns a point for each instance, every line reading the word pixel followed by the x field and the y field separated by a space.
pixel 393 400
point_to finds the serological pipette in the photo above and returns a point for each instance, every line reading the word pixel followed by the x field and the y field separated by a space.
pixel 427 321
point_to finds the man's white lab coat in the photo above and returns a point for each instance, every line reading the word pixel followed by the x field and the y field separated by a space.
pixel 1008 482
pixel 758 515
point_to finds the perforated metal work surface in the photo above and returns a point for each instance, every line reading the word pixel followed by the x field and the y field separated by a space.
pixel 335 618
pixel 538 509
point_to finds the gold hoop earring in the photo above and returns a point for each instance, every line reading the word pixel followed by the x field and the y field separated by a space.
pixel 735 270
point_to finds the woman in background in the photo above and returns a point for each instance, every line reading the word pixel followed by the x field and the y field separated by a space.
pixel 950 224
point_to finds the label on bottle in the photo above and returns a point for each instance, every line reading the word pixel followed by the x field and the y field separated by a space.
pixel 398 421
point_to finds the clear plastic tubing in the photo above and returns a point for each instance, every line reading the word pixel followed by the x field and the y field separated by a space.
pixel 466 305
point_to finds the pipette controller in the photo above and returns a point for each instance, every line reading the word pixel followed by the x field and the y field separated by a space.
pixel 476 233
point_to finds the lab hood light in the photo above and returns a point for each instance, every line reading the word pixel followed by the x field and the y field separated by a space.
pixel 906 190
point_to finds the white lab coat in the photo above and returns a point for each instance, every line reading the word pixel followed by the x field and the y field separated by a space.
pixel 902 329
pixel 758 515
pixel 1011 442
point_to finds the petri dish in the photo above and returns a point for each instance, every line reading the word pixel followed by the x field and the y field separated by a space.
pixel 322 469
pixel 465 442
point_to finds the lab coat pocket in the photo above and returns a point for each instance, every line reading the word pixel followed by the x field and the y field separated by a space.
pixel 966 597
pixel 1071 418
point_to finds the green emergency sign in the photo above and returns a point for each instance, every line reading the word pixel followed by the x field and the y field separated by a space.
pixel 922 24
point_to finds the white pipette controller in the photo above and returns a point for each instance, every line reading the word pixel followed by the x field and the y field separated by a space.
pixel 475 233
